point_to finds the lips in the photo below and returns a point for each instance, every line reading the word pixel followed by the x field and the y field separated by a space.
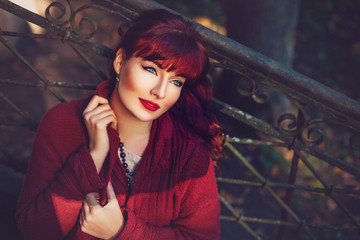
pixel 149 105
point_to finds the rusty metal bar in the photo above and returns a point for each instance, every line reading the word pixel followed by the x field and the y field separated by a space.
pixel 328 188
pixel 259 220
pixel 289 140
pixel 254 142
pixel 89 62
pixel 289 194
pixel 285 185
pixel 239 219
pixel 11 161
pixel 82 86
pixel 18 110
pixel 268 189
pixel 30 35
pixel 290 224
pixel 26 63
pixel 18 124
pixel 263 181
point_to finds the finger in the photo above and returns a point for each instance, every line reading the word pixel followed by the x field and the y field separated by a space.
pixel 90 199
pixel 95 114
pixel 114 123
pixel 98 109
pixel 102 120
pixel 91 105
pixel 81 221
pixel 94 119
pixel 82 214
pixel 110 192
pixel 94 102
pixel 85 209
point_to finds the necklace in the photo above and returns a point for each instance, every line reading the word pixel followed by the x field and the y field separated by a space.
pixel 125 165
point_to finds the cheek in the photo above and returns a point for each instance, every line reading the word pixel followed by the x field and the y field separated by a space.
pixel 173 97
pixel 131 81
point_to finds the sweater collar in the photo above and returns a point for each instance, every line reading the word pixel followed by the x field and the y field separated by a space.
pixel 105 88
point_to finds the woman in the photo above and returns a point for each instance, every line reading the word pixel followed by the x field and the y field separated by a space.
pixel 133 161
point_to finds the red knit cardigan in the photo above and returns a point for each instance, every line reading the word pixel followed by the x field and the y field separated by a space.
pixel 174 195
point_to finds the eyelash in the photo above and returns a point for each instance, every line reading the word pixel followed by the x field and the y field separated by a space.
pixel 152 70
pixel 177 83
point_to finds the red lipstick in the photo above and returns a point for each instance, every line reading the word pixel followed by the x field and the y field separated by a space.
pixel 149 105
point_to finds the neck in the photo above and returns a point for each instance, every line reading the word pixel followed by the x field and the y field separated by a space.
pixel 132 132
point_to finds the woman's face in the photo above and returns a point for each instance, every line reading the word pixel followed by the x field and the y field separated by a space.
pixel 145 90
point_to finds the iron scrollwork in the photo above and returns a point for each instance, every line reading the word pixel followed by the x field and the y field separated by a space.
pixel 85 27
pixel 306 131
pixel 309 132
pixel 248 87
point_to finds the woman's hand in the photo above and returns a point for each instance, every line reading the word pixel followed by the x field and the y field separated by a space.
pixel 101 222
pixel 98 114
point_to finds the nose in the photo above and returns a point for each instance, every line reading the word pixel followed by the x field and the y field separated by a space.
pixel 159 90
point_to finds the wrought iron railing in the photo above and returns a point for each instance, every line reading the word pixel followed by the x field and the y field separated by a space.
pixel 299 133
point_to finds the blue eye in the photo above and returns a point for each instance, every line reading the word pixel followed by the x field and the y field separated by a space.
pixel 150 70
pixel 177 83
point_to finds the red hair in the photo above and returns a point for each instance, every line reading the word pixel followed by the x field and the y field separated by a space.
pixel 174 43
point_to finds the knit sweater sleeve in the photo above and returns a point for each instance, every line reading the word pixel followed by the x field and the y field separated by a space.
pixel 199 210
pixel 59 174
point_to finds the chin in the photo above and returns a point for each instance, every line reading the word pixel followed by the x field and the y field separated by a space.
pixel 147 117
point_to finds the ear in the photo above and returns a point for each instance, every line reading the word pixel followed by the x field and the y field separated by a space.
pixel 118 61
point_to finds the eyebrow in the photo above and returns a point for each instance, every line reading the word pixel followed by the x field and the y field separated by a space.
pixel 158 64
pixel 161 66
pixel 182 75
